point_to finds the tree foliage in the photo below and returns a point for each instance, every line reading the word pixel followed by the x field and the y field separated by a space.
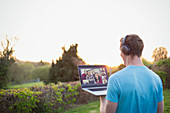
pixel 120 67
pixel 160 53
pixel 41 72
pixel 24 72
pixel 162 68
pixel 65 68
pixel 146 62
pixel 20 72
pixel 6 60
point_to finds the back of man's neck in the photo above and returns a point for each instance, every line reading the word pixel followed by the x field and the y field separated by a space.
pixel 136 61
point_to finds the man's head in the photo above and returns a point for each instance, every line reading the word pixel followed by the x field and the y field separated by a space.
pixel 132 45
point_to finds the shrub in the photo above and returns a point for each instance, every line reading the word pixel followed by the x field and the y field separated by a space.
pixel 162 76
pixel 20 100
pixel 44 98
pixel 161 67
pixel 146 62
pixel 164 62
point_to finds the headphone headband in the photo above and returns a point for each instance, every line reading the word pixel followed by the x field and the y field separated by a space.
pixel 124 39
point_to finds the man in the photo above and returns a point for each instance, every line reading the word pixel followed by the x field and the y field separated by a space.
pixel 90 77
pixel 134 89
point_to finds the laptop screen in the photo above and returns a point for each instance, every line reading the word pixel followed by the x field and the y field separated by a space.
pixel 93 75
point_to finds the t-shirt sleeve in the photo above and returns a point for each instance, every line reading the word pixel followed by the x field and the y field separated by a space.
pixel 113 90
pixel 160 94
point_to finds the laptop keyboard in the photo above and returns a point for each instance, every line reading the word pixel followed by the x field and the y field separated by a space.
pixel 100 89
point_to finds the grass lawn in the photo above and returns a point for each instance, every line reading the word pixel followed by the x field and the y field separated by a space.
pixel 24 85
pixel 167 101
pixel 94 107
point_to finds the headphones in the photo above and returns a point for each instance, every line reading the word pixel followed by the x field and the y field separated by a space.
pixel 125 48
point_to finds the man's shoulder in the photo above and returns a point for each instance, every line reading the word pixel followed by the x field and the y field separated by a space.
pixel 119 73
pixel 155 76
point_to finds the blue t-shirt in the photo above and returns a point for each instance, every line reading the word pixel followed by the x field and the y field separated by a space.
pixel 136 89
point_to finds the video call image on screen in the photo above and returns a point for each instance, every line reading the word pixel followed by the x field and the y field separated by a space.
pixel 94 76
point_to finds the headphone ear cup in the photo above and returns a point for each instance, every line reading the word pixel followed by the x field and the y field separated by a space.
pixel 125 49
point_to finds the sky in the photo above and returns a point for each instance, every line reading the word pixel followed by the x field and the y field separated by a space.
pixel 42 27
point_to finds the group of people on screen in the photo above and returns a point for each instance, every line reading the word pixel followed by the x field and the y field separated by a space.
pixel 91 76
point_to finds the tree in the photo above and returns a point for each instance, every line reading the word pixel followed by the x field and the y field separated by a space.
pixel 41 72
pixel 120 67
pixel 160 53
pixel 65 68
pixel 20 72
pixel 6 60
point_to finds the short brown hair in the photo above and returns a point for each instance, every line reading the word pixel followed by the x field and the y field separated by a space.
pixel 135 43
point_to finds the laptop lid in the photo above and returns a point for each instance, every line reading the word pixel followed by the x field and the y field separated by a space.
pixel 93 75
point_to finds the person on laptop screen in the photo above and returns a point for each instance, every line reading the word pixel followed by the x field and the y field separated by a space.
pixel 84 75
pixel 98 79
pixel 90 77
pixel 134 89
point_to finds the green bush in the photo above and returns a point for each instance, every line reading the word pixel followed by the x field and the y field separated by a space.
pixel 162 75
pixel 162 68
pixel 146 62
pixel 18 100
pixel 164 62
pixel 44 98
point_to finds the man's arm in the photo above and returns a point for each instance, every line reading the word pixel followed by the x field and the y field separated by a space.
pixel 110 107
pixel 160 107
pixel 102 103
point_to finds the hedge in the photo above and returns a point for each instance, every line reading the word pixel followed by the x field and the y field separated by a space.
pixel 45 98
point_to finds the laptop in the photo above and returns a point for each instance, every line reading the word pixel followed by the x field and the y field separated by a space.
pixel 93 79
